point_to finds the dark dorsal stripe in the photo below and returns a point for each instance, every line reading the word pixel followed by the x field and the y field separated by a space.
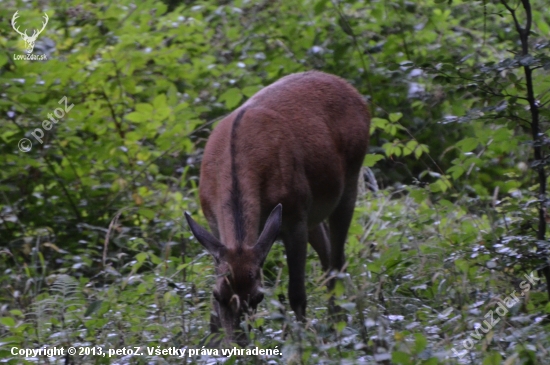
pixel 236 195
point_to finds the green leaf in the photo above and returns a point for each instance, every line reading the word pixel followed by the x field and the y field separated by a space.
pixel 147 213
pixel 543 26
pixel 249 91
pixel 142 256
pixel 340 326
pixel 435 187
pixel 7 321
pixel 372 159
pixel 502 135
pixel 419 195
pixel 468 144
pixel 494 358
pixel 3 59
pixel 394 117
pixel 339 288
pixel 393 149
pixel 159 102
pixel 390 258
pixel 420 343
pixel 409 147
pixel 94 306
pixel 16 312
pixel 441 79
pixel 397 150
pixel 432 361
pixel 456 171
pixel 161 113
pixel 399 357
pixel 462 265
pixel 320 6
pixel 137 117
pixel 391 129
pixel 444 183
pixel 378 123
pixel 144 108
pixel 232 97
pixel 156 260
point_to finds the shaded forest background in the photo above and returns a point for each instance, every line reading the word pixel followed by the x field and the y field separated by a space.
pixel 94 249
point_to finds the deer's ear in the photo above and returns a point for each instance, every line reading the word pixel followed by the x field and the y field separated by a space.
pixel 269 233
pixel 206 239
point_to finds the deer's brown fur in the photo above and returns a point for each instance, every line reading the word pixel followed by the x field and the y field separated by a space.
pixel 298 143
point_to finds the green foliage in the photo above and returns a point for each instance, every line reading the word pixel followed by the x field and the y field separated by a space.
pixel 94 249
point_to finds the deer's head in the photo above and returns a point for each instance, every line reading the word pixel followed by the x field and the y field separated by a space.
pixel 29 40
pixel 238 289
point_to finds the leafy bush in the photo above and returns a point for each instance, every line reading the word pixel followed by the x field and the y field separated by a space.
pixel 95 252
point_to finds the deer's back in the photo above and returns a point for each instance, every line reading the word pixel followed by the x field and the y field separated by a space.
pixel 296 142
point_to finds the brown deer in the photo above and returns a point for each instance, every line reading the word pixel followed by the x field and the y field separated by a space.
pixel 278 166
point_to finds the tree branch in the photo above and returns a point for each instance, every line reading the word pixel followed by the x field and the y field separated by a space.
pixel 535 123
pixel 513 12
